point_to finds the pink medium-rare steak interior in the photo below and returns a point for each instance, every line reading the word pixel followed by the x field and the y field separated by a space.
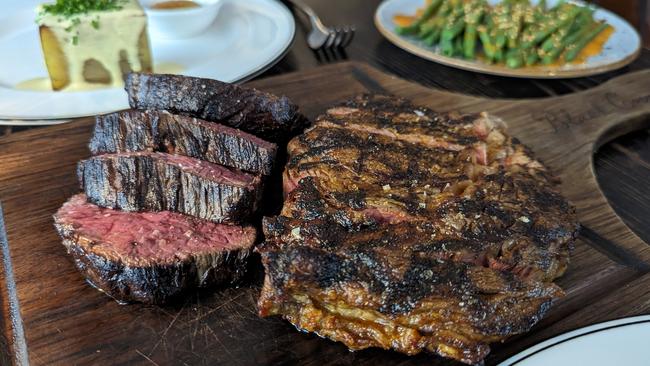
pixel 202 168
pixel 146 237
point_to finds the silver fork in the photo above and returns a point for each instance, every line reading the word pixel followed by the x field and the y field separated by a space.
pixel 321 36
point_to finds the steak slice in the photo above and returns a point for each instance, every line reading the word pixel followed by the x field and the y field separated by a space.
pixel 134 130
pixel 153 181
pixel 262 114
pixel 150 257
pixel 399 119
pixel 413 230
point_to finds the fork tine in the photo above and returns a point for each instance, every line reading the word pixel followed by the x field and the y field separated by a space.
pixel 330 39
pixel 335 38
pixel 350 36
pixel 338 37
pixel 349 33
pixel 343 35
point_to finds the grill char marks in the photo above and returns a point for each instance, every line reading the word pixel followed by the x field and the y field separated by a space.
pixel 375 164
pixel 407 288
pixel 262 114
pixel 162 182
pixel 133 130
pixel 150 257
pixel 168 182
pixel 408 229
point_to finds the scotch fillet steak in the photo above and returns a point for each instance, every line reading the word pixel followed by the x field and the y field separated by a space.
pixel 150 257
pixel 412 230
pixel 262 114
pixel 153 181
pixel 134 130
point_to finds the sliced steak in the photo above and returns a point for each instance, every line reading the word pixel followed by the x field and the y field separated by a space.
pixel 262 114
pixel 153 181
pixel 134 130
pixel 401 120
pixel 412 230
pixel 150 257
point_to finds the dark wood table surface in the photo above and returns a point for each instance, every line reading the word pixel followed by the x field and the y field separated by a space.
pixel 622 165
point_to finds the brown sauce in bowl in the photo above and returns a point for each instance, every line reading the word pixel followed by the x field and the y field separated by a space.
pixel 175 4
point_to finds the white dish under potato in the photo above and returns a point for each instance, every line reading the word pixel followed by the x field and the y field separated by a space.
pixel 246 38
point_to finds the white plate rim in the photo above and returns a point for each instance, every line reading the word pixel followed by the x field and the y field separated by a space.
pixel 542 73
pixel 280 55
pixel 273 59
pixel 568 336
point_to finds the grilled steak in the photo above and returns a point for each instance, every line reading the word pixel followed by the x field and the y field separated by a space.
pixel 150 257
pixel 262 114
pixel 410 230
pixel 133 130
pixel 153 181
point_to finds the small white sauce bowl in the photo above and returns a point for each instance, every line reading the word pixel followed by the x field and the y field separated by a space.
pixel 181 22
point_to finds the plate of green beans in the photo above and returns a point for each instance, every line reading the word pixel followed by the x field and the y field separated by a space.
pixel 518 38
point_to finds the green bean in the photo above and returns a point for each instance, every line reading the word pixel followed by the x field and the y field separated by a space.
pixel 437 22
pixel 444 10
pixel 458 46
pixel 540 35
pixel 498 32
pixel 532 14
pixel 413 28
pixel 516 25
pixel 513 32
pixel 433 37
pixel 575 49
pixel 552 55
pixel 454 25
pixel 472 18
pixel 488 46
pixel 556 38
pixel 452 31
pixel 532 57
pixel 515 58
pixel 469 41
pixel 448 35
pixel 428 27
pixel 584 19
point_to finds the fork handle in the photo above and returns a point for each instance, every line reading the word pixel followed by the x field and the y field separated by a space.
pixel 313 17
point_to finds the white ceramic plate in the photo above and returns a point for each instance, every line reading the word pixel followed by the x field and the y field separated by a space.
pixel 622 47
pixel 617 342
pixel 246 38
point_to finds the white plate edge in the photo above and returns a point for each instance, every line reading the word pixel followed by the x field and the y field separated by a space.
pixel 12 120
pixel 571 334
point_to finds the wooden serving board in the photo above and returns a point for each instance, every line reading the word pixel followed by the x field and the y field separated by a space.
pixel 50 316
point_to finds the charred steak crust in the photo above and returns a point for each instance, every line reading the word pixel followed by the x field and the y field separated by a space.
pixel 408 229
pixel 162 182
pixel 133 130
pixel 262 114
pixel 157 284
pixel 127 277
